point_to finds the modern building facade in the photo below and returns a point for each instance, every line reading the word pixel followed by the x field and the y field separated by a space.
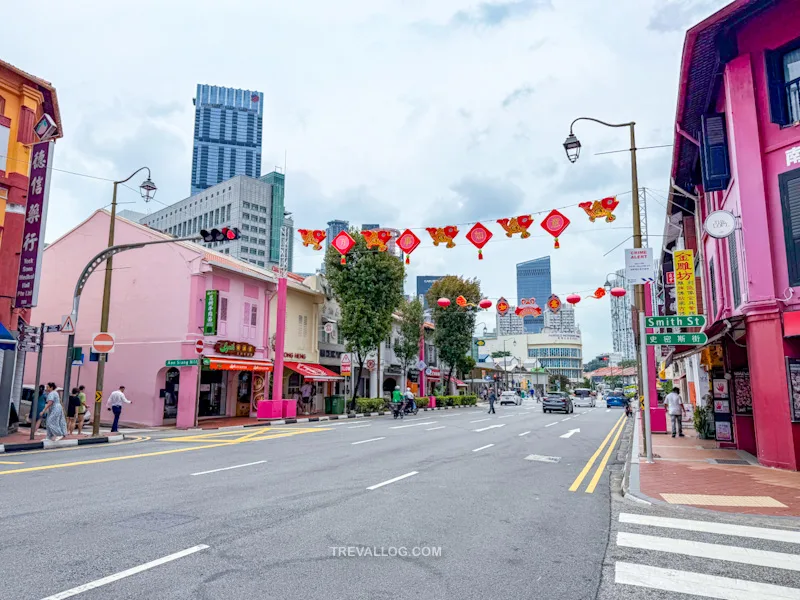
pixel 622 336
pixel 424 283
pixel 559 353
pixel 278 182
pixel 509 324
pixel 534 281
pixel 563 321
pixel 227 135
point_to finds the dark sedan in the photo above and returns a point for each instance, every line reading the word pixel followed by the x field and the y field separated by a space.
pixel 559 401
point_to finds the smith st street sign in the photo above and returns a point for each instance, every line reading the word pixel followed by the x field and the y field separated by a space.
pixel 675 321
pixel 679 339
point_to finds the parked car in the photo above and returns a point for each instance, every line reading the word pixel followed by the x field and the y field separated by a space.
pixel 557 401
pixel 509 397
pixel 582 397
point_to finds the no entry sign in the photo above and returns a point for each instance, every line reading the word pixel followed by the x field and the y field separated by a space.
pixel 103 343
pixel 199 346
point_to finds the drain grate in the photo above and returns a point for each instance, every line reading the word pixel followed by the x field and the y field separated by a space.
pixel 730 461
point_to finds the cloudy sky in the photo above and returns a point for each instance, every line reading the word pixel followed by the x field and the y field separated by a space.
pixel 408 113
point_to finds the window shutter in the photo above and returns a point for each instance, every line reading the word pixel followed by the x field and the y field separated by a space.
pixel 246 321
pixel 789 184
pixel 733 256
pixel 778 108
pixel 712 275
pixel 714 164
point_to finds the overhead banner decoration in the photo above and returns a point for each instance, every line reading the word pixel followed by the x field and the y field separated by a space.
pixel 312 237
pixel 408 242
pixel 554 304
pixel 502 307
pixel 598 293
pixel 478 236
pixel 343 243
pixel 528 308
pixel 555 223
pixel 516 225
pixel 377 238
pixel 600 208
pixel 684 282
pixel 443 235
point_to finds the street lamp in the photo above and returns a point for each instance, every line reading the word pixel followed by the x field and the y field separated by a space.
pixel 572 146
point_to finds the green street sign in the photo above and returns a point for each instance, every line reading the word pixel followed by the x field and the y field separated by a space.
pixel 678 339
pixel 210 318
pixel 182 362
pixel 676 321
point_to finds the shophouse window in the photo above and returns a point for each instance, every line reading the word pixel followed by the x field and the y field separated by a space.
pixel 222 319
pixel 299 326
pixel 789 185
pixel 249 320
pixel 783 79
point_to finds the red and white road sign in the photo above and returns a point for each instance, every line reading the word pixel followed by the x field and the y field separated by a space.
pixel 371 364
pixel 199 346
pixel 67 324
pixel 103 343
pixel 346 364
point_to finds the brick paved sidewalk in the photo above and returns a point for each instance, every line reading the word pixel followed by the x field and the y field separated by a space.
pixel 693 472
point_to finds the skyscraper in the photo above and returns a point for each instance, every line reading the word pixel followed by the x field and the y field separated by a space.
pixel 227 135
pixel 424 283
pixel 335 227
pixel 278 182
pixel 563 321
pixel 533 281
pixel 622 334
pixel 288 222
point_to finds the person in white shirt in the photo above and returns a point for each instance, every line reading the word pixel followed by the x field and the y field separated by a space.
pixel 306 390
pixel 674 408
pixel 114 404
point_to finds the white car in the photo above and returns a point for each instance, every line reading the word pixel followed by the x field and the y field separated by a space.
pixel 582 397
pixel 508 397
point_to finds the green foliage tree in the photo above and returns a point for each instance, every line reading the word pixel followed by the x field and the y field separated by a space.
pixel 454 324
pixel 587 383
pixel 501 353
pixel 465 366
pixel 613 382
pixel 406 348
pixel 628 362
pixel 369 288
pixel 559 381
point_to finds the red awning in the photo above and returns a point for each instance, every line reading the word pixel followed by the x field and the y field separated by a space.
pixel 312 371
pixel 242 364
pixel 459 383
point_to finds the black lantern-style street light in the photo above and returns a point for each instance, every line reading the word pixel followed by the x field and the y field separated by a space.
pixel 148 189
pixel 573 147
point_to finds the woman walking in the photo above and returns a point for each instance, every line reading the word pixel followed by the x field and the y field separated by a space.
pixel 56 424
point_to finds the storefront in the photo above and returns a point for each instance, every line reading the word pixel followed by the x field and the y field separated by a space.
pixel 433 380
pixel 318 377
pixel 231 387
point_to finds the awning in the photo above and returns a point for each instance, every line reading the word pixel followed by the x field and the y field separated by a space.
pixel 312 371
pixel 459 383
pixel 433 373
pixel 7 341
pixel 242 364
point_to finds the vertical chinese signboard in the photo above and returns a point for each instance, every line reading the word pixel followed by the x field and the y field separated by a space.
pixel 684 282
pixel 30 258
pixel 210 318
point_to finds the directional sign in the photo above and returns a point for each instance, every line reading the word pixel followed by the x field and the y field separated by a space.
pixel 52 328
pixel 67 324
pixel 676 321
pixel 182 362
pixel 570 433
pixel 102 343
pixel 680 339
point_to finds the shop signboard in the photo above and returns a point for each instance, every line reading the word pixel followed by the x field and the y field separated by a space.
pixel 720 388
pixel 229 348
pixel 793 372
pixel 684 282
pixel 210 319
pixel 742 393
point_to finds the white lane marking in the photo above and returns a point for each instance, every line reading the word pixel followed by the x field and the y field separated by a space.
pixel 762 533
pixel 551 424
pixel 360 426
pixel 608 410
pixel 570 433
pixel 507 416
pixel 748 556
pixel 490 427
pixel 388 481
pixel 126 573
pixel 567 419
pixel 483 447
pixel 540 458
pixel 709 586
pixel 412 425
pixel 435 428
pixel 523 433
pixel 366 441
pixel 229 468
pixel 479 421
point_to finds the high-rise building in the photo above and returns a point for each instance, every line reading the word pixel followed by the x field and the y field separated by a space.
pixel 288 222
pixel 278 182
pixel 622 335
pixel 393 249
pixel 424 283
pixel 369 226
pixel 563 320
pixel 335 227
pixel 533 281
pixel 227 135
pixel 510 324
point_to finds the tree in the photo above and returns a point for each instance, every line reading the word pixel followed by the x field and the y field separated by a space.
pixel 406 348
pixel 369 288
pixel 613 382
pixel 587 383
pixel 465 366
pixel 560 381
pixel 454 323
pixel 501 353
pixel 628 362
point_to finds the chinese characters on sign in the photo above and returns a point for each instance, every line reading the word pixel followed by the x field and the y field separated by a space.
pixel 684 282
pixel 793 156
pixel 234 348
pixel 30 258
pixel 685 339
pixel 210 318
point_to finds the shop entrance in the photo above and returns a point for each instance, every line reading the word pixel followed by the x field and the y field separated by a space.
pixel 243 392
pixel 171 385
pixel 213 386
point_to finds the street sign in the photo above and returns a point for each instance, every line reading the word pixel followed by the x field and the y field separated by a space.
pixel 371 364
pixel 52 328
pixel 639 266
pixel 670 277
pixel 678 339
pixel 67 324
pixel 346 364
pixel 210 318
pixel 199 345
pixel 676 321
pixel 78 362
pixel 421 365
pixel 480 343
pixel 103 343
pixel 182 362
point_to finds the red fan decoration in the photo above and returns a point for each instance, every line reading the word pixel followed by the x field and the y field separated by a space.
pixel 518 224
pixel 343 242
pixel 443 302
pixel 479 236
pixel 554 303
pixel 408 242
pixel 573 299
pixel 377 237
pixel 485 303
pixel 598 293
pixel 502 307
pixel 618 292
pixel 555 223
pixel 528 308
pixel 312 237
pixel 600 208
pixel 443 235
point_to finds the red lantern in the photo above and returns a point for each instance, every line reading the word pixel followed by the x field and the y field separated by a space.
pixel 618 292
pixel 408 242
pixel 555 223
pixel 479 236
pixel 573 299
pixel 443 302
pixel 343 243
pixel 485 303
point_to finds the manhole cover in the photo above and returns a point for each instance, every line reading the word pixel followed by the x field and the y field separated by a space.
pixel 155 521
pixel 730 461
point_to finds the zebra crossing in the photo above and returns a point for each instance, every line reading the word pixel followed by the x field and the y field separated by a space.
pixel 675 558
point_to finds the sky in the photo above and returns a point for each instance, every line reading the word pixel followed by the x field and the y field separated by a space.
pixel 407 113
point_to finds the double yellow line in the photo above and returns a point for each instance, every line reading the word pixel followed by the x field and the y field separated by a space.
pixel 618 427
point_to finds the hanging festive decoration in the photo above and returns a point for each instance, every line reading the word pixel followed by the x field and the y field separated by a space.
pixel 312 237
pixel 554 303
pixel 485 303
pixel 442 235
pixel 479 236
pixel 461 301
pixel 618 292
pixel 573 299
pixel 343 243
pixel 600 208
pixel 408 242
pixel 518 224
pixel 443 302
pixel 555 223
pixel 503 307
pixel 377 237
pixel 598 293
pixel 528 308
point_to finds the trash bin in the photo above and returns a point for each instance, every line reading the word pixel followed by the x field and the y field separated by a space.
pixel 337 405
pixel 289 409
pixel 328 405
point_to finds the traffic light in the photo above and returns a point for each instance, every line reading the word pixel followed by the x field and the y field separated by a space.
pixel 226 234
pixel 230 233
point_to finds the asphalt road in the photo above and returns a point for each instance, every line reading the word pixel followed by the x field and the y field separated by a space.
pixel 447 504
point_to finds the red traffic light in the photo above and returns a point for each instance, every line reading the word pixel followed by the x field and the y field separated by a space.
pixel 230 233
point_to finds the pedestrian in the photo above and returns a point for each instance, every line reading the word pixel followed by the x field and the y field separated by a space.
pixel 56 424
pixel 73 403
pixel 492 399
pixel 674 407
pixel 40 404
pixel 305 395
pixel 81 409
pixel 114 404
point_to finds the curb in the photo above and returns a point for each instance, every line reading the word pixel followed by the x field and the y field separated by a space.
pixel 47 444
pixel 630 478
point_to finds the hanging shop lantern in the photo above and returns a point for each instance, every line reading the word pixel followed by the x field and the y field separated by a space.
pixel 479 236
pixel 555 223
pixel 600 208
pixel 312 237
pixel 573 299
pixel 515 225
pixel 485 303
pixel 554 303
pixel 343 243
pixel 443 235
pixel 443 302
pixel 618 292
pixel 503 307
pixel 598 293
pixel 377 238
pixel 408 242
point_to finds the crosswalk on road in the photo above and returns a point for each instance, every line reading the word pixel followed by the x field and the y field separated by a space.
pixel 706 559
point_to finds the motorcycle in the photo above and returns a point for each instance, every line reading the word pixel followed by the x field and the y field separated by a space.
pixel 411 408
pixel 628 411
pixel 397 410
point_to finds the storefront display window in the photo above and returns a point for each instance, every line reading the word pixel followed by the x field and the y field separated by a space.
pixel 243 392
pixel 213 385
pixel 171 385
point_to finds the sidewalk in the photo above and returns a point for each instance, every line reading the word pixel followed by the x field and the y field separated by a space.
pixel 20 440
pixel 689 471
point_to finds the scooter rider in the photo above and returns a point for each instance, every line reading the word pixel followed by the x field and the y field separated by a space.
pixel 410 401
pixel 398 401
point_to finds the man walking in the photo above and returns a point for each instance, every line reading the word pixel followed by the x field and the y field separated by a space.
pixel 674 407
pixel 492 398
pixel 305 395
pixel 114 404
